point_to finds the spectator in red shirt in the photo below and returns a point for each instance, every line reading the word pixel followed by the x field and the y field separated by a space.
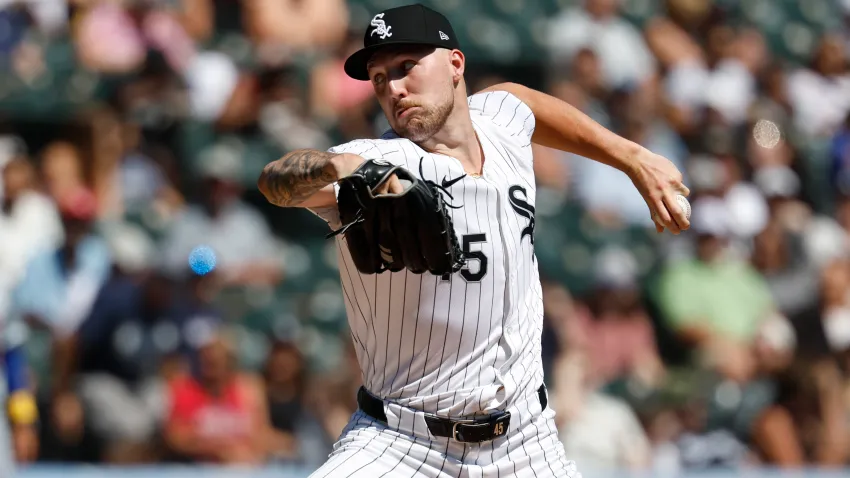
pixel 218 414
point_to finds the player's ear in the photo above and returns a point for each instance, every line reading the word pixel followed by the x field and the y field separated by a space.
pixel 458 63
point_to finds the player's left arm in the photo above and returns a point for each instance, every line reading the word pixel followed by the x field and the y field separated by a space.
pixel 561 126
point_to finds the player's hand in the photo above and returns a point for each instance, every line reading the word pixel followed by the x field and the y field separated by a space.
pixel 659 181
pixel 347 163
pixel 390 186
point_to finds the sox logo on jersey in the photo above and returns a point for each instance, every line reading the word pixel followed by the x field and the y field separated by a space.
pixel 524 209
pixel 462 345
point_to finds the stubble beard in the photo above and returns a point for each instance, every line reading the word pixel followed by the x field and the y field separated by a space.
pixel 427 122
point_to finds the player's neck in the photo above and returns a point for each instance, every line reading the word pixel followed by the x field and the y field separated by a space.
pixel 458 139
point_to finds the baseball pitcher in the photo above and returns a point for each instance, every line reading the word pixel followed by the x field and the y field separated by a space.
pixel 434 226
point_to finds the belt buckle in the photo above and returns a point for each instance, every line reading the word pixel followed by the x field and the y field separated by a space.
pixel 454 429
pixel 497 422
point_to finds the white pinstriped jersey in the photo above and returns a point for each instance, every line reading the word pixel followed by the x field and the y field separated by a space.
pixel 468 343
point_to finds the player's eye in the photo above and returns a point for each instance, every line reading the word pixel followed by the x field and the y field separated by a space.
pixel 378 79
pixel 408 65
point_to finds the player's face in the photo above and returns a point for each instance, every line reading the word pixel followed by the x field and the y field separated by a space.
pixel 415 87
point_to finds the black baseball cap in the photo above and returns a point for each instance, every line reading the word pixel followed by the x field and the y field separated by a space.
pixel 407 25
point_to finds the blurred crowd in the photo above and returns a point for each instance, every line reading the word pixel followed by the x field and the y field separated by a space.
pixel 133 131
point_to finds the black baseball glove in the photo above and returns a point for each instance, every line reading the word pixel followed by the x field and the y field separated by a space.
pixel 392 232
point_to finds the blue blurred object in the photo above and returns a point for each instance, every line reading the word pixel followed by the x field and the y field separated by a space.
pixel 13 26
pixel 202 260
pixel 840 164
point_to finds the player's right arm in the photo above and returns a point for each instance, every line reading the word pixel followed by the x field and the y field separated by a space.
pixel 305 177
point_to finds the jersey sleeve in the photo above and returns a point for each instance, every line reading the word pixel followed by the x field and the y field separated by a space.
pixel 506 111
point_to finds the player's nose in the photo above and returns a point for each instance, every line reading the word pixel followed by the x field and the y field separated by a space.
pixel 397 88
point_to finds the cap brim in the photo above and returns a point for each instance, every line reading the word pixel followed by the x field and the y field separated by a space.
pixel 355 65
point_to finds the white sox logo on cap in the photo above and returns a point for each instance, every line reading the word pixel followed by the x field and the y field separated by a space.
pixel 411 25
pixel 381 27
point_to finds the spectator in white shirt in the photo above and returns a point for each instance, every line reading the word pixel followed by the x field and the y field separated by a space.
pixel 59 285
pixel 721 78
pixel 820 94
pixel 29 224
pixel 620 46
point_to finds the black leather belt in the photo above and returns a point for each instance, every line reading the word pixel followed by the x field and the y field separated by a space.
pixel 473 430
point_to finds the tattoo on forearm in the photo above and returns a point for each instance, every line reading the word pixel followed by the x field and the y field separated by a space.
pixel 297 176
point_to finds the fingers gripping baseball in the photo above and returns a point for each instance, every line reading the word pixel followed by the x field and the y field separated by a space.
pixel 662 187
pixel 671 212
pixel 679 209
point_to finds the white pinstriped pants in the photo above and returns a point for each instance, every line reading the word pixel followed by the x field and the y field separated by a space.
pixel 370 449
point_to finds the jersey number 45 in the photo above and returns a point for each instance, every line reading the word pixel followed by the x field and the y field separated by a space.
pixel 468 275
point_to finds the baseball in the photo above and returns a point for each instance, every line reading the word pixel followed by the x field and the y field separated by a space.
pixel 684 204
